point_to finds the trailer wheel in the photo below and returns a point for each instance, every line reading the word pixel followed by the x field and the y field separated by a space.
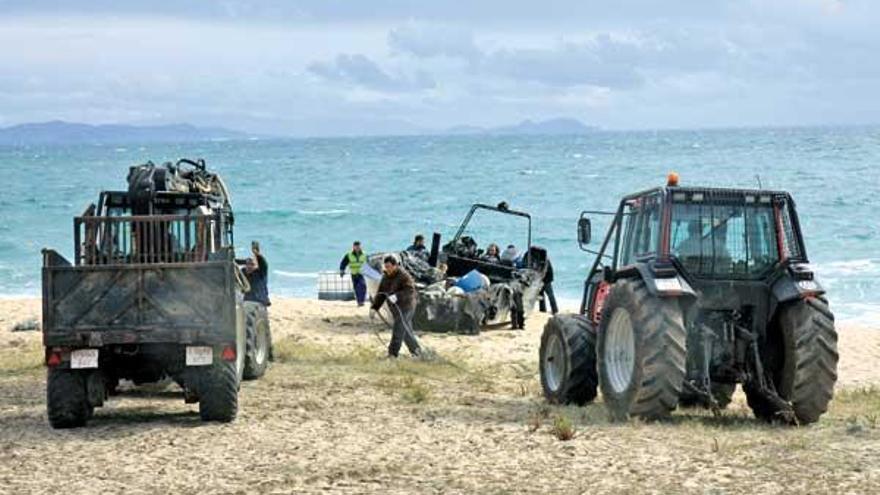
pixel 801 357
pixel 67 402
pixel 258 341
pixel 568 360
pixel 641 352
pixel 218 392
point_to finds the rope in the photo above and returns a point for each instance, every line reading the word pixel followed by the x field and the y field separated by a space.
pixel 426 351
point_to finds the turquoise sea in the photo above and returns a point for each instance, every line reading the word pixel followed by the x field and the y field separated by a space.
pixel 305 200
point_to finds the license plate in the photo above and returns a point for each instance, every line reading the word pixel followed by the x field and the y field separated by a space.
pixel 199 356
pixel 84 358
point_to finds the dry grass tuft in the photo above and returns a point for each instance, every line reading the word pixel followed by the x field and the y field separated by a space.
pixel 415 392
pixel 563 428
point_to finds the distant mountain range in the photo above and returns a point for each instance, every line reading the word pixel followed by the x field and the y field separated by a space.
pixel 58 132
pixel 560 126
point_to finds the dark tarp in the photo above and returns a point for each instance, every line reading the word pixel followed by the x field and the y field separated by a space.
pixel 442 310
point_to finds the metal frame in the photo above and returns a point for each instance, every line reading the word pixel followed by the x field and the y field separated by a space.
pixel 506 211
pixel 153 238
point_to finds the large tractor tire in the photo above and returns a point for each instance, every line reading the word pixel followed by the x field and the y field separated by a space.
pixel 67 401
pixel 641 352
pixel 218 392
pixel 722 392
pixel 258 348
pixel 801 357
pixel 568 360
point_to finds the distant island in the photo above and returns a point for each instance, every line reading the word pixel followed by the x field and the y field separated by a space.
pixel 59 132
pixel 558 126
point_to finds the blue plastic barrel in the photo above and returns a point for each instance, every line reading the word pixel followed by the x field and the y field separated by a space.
pixel 471 282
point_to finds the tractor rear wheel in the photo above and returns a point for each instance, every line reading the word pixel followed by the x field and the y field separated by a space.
pixel 67 402
pixel 258 340
pixel 801 357
pixel 218 392
pixel 641 352
pixel 568 360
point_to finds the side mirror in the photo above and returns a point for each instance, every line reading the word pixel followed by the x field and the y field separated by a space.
pixel 584 231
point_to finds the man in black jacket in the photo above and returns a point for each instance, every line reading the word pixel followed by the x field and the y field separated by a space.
pixel 547 292
pixel 399 290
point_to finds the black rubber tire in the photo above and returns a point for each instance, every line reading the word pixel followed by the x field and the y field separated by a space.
pixel 67 403
pixel 723 393
pixel 579 379
pixel 659 337
pixel 218 392
pixel 801 356
pixel 257 333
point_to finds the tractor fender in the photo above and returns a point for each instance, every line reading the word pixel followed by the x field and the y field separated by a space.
pixel 675 286
pixel 787 288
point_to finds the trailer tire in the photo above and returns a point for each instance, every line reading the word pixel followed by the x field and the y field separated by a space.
pixel 67 402
pixel 801 357
pixel 218 392
pixel 258 347
pixel 568 360
pixel 641 352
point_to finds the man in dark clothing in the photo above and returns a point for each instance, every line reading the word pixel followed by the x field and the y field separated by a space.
pixel 418 247
pixel 355 260
pixel 547 293
pixel 256 270
pixel 397 287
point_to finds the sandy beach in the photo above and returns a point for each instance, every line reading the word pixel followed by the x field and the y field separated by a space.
pixel 331 416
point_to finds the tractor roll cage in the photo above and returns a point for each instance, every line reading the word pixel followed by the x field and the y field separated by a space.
pixel 501 208
pixel 671 195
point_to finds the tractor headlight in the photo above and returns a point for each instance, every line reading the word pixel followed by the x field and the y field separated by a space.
pixel 807 285
pixel 667 284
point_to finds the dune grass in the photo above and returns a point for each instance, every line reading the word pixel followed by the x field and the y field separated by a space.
pixel 24 358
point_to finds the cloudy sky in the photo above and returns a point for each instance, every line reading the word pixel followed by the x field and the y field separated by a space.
pixel 318 67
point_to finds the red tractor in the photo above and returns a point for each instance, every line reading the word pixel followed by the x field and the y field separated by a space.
pixel 693 291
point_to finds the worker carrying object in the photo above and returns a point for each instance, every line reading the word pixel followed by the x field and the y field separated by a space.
pixel 256 270
pixel 398 289
pixel 355 260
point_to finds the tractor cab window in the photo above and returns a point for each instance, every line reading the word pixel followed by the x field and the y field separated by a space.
pixel 641 229
pixel 724 240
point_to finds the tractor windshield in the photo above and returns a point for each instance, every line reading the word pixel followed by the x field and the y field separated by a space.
pixel 727 240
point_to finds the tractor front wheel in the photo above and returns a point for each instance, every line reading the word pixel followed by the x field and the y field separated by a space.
pixel 568 360
pixel 641 352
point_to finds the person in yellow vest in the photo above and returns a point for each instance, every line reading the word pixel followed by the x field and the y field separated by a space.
pixel 355 260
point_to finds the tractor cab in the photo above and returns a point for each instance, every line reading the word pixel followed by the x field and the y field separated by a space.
pixel 689 239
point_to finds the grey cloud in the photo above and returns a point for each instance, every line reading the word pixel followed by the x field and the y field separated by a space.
pixel 606 63
pixel 433 41
pixel 359 70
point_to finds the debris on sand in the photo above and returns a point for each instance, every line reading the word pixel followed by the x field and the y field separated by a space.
pixel 29 325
